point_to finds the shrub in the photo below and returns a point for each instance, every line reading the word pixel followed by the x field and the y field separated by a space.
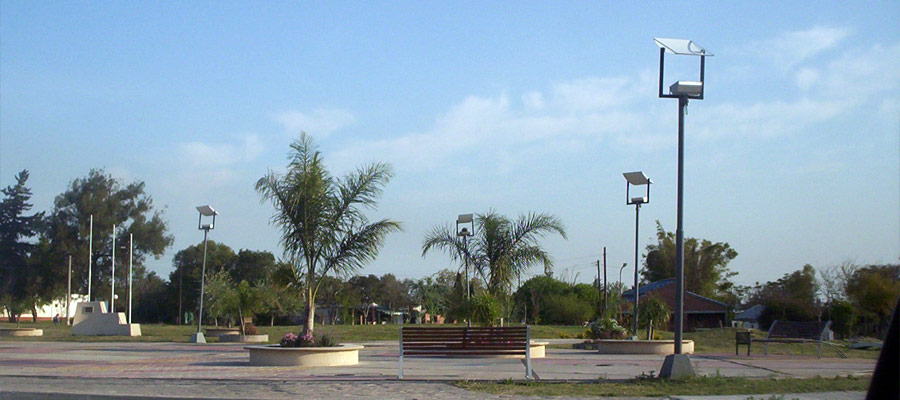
pixel 327 341
pixel 250 330
pixel 484 309
pixel 567 310
pixel 606 328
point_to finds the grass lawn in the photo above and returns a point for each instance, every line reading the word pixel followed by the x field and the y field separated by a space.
pixel 713 341
pixel 664 387
pixel 174 333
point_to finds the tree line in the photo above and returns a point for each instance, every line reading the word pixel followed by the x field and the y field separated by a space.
pixel 328 239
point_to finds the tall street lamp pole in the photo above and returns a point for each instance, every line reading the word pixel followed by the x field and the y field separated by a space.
pixel 205 211
pixel 465 232
pixel 678 364
pixel 636 178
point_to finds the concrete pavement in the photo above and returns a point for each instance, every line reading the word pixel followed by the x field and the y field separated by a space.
pixel 198 370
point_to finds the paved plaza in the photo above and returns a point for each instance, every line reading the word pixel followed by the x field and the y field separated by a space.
pixel 201 370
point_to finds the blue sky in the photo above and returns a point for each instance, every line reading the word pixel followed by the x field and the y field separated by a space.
pixel 792 158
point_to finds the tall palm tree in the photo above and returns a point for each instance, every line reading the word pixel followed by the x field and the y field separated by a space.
pixel 502 249
pixel 323 228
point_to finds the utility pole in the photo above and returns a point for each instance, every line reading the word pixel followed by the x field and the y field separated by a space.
pixel 599 288
pixel 69 290
pixel 605 286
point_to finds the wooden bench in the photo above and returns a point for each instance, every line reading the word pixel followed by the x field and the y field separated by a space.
pixel 790 332
pixel 465 342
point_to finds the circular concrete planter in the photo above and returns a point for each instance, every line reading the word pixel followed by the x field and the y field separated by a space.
pixel 606 346
pixel 216 332
pixel 538 350
pixel 275 355
pixel 21 332
pixel 232 338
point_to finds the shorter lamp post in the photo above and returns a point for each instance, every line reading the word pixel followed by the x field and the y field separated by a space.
pixel 205 211
pixel 465 232
pixel 636 178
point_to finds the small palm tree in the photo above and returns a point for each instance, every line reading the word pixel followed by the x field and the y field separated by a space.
pixel 323 228
pixel 502 249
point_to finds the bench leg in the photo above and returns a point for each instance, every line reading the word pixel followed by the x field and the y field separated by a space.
pixel 400 362
pixel 528 353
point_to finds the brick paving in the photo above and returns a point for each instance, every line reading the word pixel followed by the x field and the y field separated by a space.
pixel 197 371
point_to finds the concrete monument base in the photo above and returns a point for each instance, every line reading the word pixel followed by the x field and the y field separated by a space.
pixel 677 366
pixel 198 337
pixel 92 319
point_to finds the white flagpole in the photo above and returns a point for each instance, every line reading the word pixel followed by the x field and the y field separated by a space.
pixel 112 278
pixel 90 254
pixel 130 261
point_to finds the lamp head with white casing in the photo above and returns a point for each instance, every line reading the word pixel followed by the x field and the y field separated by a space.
pixel 636 178
pixel 206 211
pixel 685 89
pixel 464 220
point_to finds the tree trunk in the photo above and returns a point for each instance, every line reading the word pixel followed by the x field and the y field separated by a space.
pixel 241 316
pixel 310 313
pixel 33 313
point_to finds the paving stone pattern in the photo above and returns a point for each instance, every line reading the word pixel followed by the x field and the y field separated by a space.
pixel 222 370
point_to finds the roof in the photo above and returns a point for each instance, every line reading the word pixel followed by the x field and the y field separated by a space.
pixel 750 314
pixel 650 287
pixel 665 282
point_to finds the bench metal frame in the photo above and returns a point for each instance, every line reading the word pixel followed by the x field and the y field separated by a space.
pixel 777 335
pixel 465 341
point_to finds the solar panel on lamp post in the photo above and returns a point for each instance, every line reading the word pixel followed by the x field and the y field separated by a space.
pixel 205 211
pixel 678 364
pixel 636 178
pixel 465 232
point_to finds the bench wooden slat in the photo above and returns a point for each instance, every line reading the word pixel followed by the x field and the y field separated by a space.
pixel 465 341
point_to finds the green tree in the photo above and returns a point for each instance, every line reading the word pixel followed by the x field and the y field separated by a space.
pixel 323 227
pixel 874 291
pixel 221 299
pixel 502 249
pixel 534 296
pixel 44 278
pixel 153 300
pixel 252 266
pixel 654 310
pixel 188 263
pixel 792 297
pixel 16 273
pixel 705 263
pixel 110 202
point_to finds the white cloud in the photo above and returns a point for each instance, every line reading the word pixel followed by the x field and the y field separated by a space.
pixel 320 123
pixel 207 155
pixel 501 133
pixel 533 100
pixel 806 77
pixel 856 78
pixel 792 48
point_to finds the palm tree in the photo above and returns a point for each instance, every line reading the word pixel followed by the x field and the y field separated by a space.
pixel 323 228
pixel 502 249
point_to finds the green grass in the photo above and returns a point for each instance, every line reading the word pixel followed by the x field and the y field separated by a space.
pixel 174 333
pixel 713 341
pixel 665 387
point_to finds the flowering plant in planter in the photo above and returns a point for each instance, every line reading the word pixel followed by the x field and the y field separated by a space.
pixel 306 340
pixel 607 328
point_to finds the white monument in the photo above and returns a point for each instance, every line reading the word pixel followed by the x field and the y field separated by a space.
pixel 92 319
